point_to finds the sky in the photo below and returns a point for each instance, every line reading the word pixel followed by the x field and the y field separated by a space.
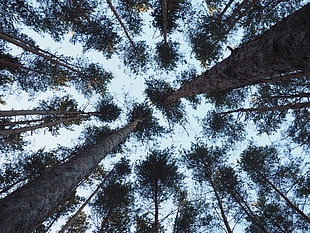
pixel 124 88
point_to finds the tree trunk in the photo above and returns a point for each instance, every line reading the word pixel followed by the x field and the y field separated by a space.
pixel 8 38
pixel 242 203
pixel 122 25
pixel 275 108
pixel 25 208
pixel 164 9
pixel 219 201
pixel 69 222
pixel 289 203
pixel 40 112
pixel 283 48
pixel 39 126
pixel 225 9
pixel 156 214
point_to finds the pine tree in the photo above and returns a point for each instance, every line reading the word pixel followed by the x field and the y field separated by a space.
pixel 64 178
pixel 248 64
pixel 157 179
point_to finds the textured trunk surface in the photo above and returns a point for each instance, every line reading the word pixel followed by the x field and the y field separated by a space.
pixel 251 215
pixel 284 48
pixel 25 208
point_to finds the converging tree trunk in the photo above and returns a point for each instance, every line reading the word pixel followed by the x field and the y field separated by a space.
pixel 289 203
pixel 283 48
pixel 25 208
pixel 10 39
pixel 266 109
pixel 220 203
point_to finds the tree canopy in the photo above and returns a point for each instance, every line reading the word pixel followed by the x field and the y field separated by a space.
pixel 154 116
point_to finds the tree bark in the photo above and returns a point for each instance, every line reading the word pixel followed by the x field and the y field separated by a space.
pixel 122 25
pixel 283 48
pixel 219 201
pixel 25 208
pixel 156 214
pixel 40 112
pixel 69 222
pixel 164 9
pixel 275 108
pixel 289 203
pixel 242 203
pixel 7 38
pixel 225 9
pixel 39 126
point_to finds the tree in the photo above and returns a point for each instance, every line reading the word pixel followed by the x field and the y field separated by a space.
pixel 230 184
pixel 64 178
pixel 261 163
pixel 157 179
pixel 278 50
pixel 205 162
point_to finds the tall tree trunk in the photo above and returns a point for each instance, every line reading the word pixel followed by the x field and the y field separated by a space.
pixel 156 214
pixel 164 9
pixel 70 221
pixel 253 217
pixel 8 38
pixel 123 26
pixel 283 48
pixel 40 112
pixel 289 203
pixel 42 125
pixel 275 108
pixel 20 66
pixel 225 9
pixel 219 201
pixel 22 210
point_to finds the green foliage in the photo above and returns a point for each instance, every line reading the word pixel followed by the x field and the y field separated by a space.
pixel 149 128
pixel 176 12
pixel 158 91
pixel 167 55
pixel 224 127
pixel 158 173
pixel 203 160
pixel 205 36
pixel 62 104
pixel 112 205
pixel 137 57
pixel 94 79
pixel 107 109
pixel 184 78
pixel 80 224
pixel 143 224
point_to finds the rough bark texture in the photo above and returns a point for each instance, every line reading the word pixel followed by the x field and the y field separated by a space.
pixel 283 48
pixel 70 221
pixel 25 208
